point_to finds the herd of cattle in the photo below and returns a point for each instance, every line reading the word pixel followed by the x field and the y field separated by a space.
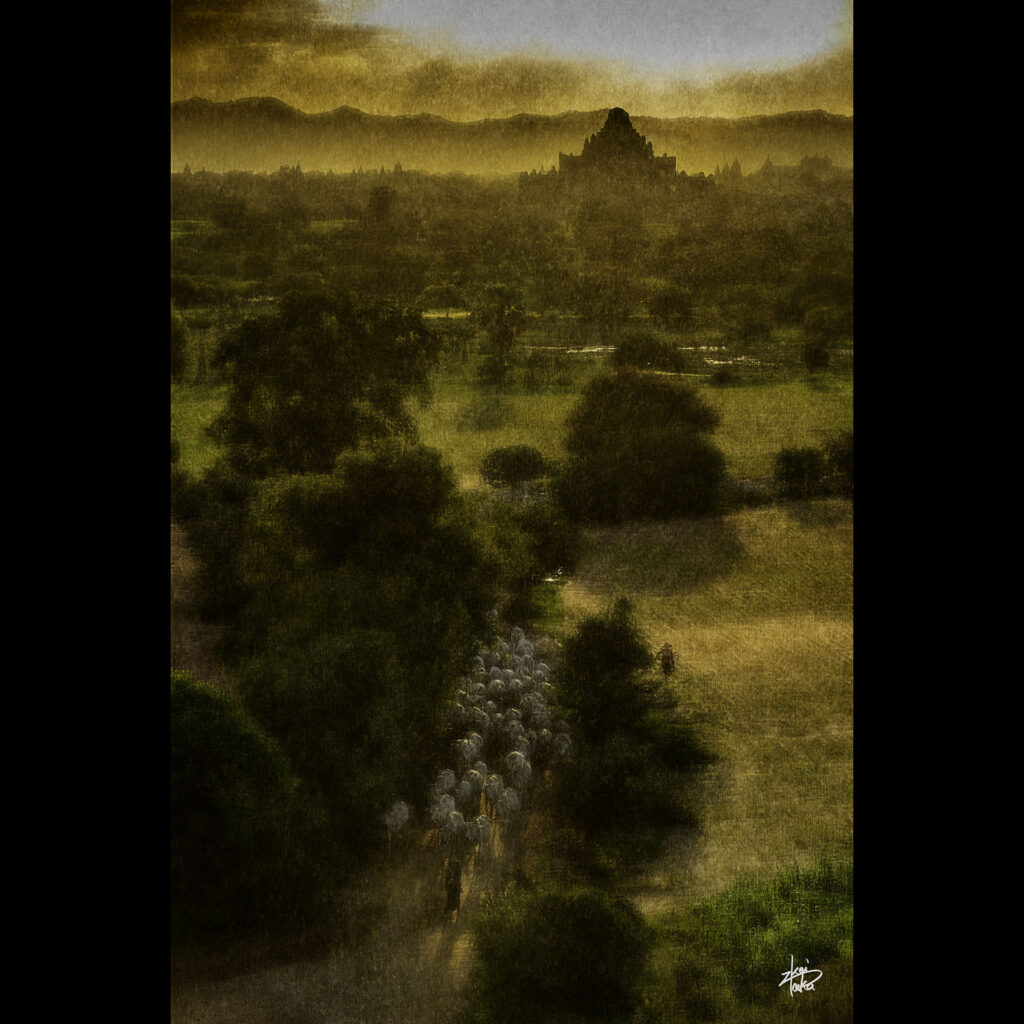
pixel 509 727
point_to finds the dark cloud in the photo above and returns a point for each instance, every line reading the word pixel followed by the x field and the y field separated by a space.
pixel 292 50
pixel 217 23
pixel 223 22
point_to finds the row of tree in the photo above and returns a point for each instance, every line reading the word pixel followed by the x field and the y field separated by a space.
pixel 599 256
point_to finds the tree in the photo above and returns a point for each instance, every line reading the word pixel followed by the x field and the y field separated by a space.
pixel 639 448
pixel 800 472
pixel 179 345
pixel 552 954
pixel 527 542
pixel 441 296
pixel 673 306
pixel 501 318
pixel 824 325
pixel 815 355
pixel 318 377
pixel 644 349
pixel 626 784
pixel 229 211
pixel 381 203
pixel 511 466
pixel 243 837
pixel 365 588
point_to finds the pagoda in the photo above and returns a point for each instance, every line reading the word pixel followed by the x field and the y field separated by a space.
pixel 618 151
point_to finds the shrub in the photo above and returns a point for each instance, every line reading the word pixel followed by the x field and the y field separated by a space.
pixel 557 954
pixel 735 945
pixel 800 472
pixel 828 324
pixel 243 839
pixel 516 464
pixel 815 355
pixel 672 305
pixel 527 543
pixel 642 349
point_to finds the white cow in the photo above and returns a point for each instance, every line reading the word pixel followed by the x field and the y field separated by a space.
pixel 453 826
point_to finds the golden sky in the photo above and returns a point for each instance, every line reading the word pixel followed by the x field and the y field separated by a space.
pixel 470 59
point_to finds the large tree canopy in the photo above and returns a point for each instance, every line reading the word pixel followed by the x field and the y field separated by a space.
pixel 366 588
pixel 639 448
pixel 318 377
pixel 243 834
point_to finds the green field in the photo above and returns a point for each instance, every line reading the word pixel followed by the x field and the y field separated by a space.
pixel 193 408
pixel 465 420
pixel 759 419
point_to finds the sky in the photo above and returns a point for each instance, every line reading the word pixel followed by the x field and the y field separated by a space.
pixel 470 59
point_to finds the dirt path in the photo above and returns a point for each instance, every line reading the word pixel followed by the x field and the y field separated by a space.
pixel 409 965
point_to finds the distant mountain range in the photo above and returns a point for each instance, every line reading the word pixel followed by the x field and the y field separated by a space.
pixel 263 134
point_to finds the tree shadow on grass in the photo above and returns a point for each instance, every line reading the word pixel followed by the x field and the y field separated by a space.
pixel 819 512
pixel 677 556
pixel 823 384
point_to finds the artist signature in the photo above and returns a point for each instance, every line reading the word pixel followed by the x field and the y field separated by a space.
pixel 797 977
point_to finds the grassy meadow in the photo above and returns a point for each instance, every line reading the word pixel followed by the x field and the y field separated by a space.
pixel 193 409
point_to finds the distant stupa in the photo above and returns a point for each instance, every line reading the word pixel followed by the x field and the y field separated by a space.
pixel 618 150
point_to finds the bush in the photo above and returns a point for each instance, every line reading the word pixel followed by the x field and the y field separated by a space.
pixel 516 464
pixel 815 355
pixel 243 839
pixel 638 449
pixel 527 543
pixel 800 472
pixel 828 324
pixel 673 306
pixel 735 946
pixel 558 954
pixel 213 511
pixel 641 349
pixel 811 472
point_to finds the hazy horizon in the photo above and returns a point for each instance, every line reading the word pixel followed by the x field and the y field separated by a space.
pixel 398 59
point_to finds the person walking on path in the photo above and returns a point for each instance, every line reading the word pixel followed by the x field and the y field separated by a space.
pixel 453 888
pixel 667 659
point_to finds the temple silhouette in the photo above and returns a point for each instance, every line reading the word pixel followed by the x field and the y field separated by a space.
pixel 617 151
